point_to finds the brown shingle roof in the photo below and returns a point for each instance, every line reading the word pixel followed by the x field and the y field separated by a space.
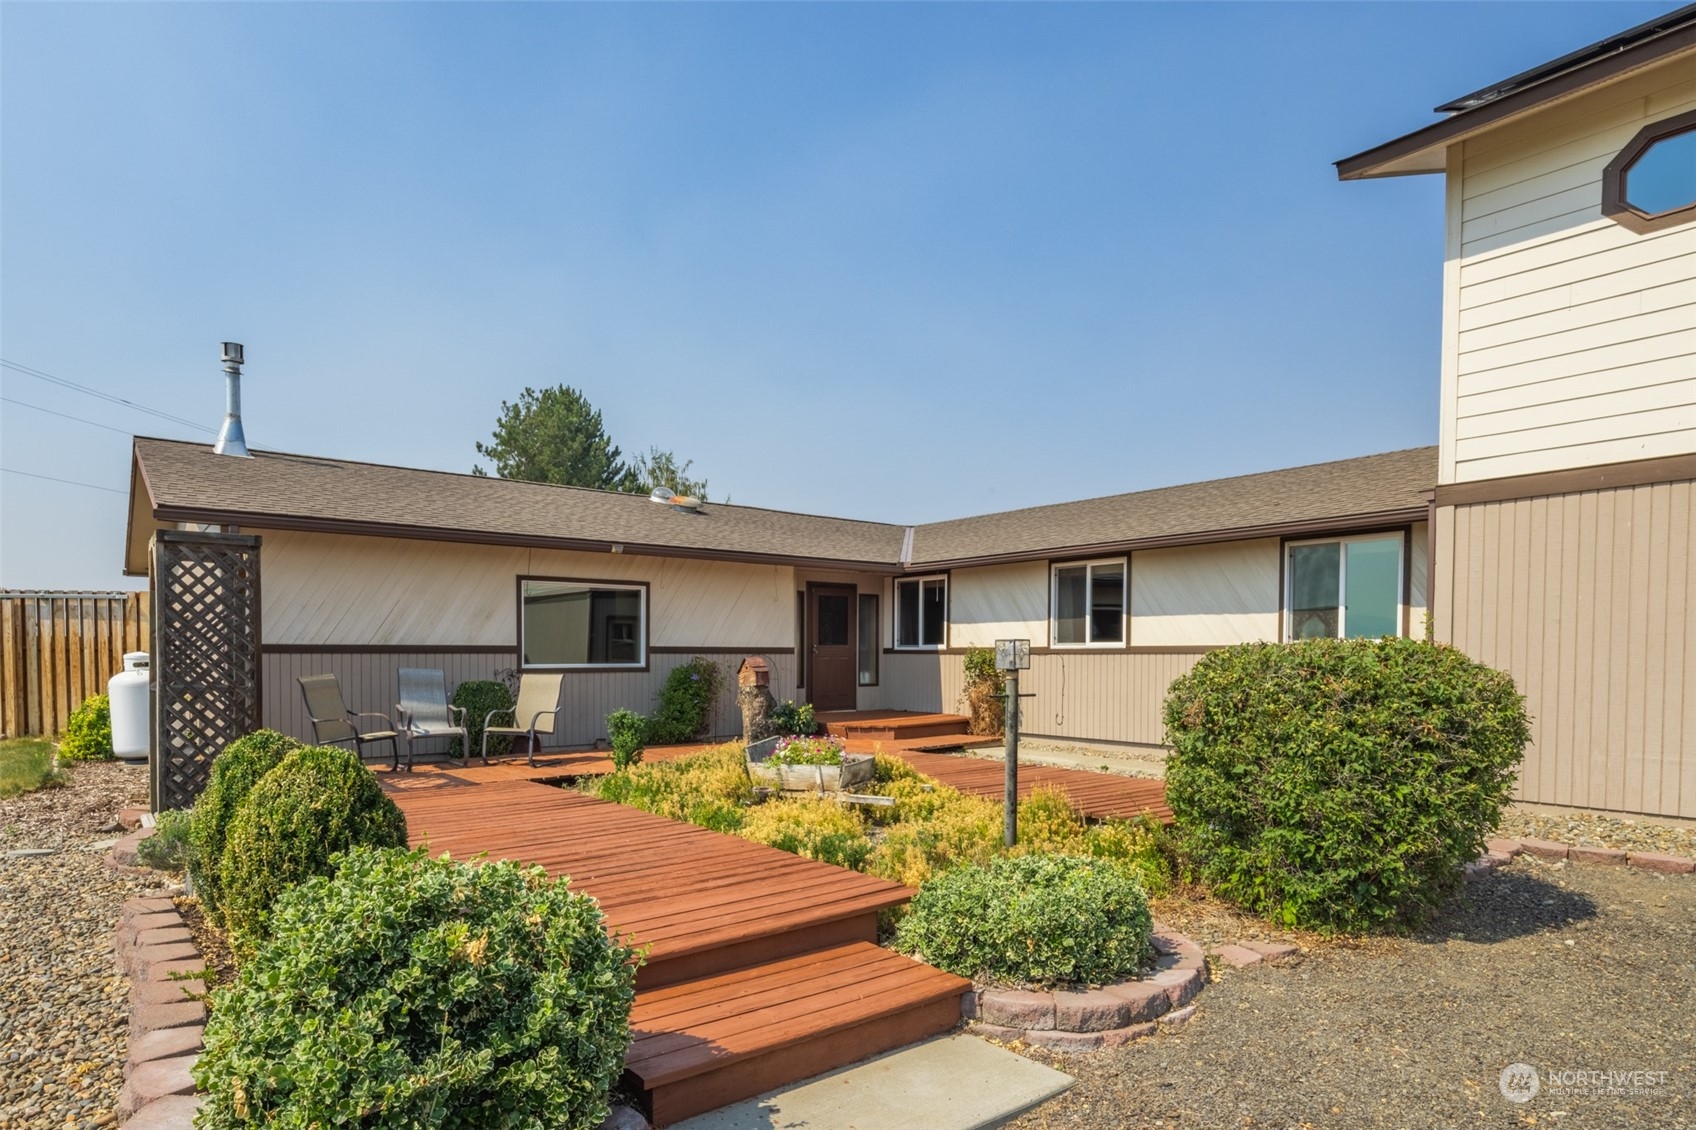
pixel 187 482
pixel 1322 492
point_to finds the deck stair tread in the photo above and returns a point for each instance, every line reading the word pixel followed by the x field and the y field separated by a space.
pixel 892 725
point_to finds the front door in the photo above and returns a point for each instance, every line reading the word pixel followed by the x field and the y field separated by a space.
pixel 831 669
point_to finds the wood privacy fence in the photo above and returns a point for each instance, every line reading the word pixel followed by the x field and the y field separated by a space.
pixel 57 648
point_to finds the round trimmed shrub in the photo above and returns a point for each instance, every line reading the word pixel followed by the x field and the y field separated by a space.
pixel 1340 785
pixel 234 773
pixel 320 800
pixel 88 731
pixel 478 697
pixel 1032 920
pixel 404 991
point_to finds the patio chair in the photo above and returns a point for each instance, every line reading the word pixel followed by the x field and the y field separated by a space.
pixel 538 697
pixel 424 711
pixel 334 724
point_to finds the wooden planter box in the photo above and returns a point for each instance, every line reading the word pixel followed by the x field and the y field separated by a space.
pixel 856 769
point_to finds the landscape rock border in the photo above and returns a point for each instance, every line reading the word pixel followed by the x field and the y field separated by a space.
pixel 155 949
pixel 1503 851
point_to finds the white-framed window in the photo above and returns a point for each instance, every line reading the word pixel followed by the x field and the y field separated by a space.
pixel 565 623
pixel 1088 600
pixel 1344 588
pixel 921 612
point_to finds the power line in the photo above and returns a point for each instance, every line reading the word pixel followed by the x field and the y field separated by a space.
pixel 67 482
pixel 40 375
pixel 64 415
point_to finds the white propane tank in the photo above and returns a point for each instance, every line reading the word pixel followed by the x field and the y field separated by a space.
pixel 128 691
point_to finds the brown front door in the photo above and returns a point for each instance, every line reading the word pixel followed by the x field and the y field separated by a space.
pixel 830 634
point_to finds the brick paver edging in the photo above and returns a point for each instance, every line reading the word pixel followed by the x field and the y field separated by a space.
pixel 167 1019
pixel 1503 851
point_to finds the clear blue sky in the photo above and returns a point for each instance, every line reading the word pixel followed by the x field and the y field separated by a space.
pixel 875 260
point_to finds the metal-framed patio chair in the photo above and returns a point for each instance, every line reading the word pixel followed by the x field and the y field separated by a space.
pixel 539 697
pixel 425 712
pixel 334 724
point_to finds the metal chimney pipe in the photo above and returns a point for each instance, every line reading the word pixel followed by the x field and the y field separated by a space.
pixel 231 441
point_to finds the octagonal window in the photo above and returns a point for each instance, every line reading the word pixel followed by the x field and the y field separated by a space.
pixel 1664 177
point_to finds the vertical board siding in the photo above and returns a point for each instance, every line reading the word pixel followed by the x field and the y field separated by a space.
pixel 368 684
pixel 1586 600
pixel 57 649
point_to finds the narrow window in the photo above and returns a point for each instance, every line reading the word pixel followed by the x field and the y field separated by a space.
pixel 921 612
pixel 1089 604
pixel 1349 588
pixel 869 641
pixel 582 623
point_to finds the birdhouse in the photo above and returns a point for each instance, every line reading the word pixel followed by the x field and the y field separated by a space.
pixel 754 672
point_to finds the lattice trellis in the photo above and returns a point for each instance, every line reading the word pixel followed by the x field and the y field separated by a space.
pixel 205 655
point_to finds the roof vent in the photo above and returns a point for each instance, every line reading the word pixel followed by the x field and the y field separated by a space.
pixel 665 497
pixel 231 441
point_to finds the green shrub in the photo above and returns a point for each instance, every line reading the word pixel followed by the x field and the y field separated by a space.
pixel 402 991
pixel 1340 784
pixel 686 703
pixel 234 773
pixel 1032 919
pixel 319 801
pixel 935 829
pixel 478 697
pixel 817 828
pixel 167 848
pixel 709 789
pixel 88 733
pixel 791 720
pixel 628 733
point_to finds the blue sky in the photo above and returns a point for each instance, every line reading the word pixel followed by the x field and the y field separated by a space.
pixel 903 262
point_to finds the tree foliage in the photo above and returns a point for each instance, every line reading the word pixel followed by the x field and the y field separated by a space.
pixel 555 436
pixel 661 469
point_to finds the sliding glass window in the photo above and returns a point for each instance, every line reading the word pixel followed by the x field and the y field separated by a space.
pixel 921 612
pixel 1347 588
pixel 1089 604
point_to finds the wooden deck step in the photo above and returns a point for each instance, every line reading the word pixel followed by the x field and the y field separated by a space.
pixel 702 1043
pixel 892 725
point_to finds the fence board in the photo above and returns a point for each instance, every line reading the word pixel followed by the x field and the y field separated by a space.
pixel 58 648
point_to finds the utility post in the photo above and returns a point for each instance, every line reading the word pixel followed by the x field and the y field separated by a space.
pixel 1011 657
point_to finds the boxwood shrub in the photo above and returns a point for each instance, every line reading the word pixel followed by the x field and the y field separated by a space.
pixel 402 991
pixel 234 773
pixel 88 732
pixel 1032 920
pixel 320 800
pixel 686 703
pixel 1340 784
pixel 478 697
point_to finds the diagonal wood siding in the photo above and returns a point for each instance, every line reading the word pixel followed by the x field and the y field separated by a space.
pixel 58 648
pixel 1589 601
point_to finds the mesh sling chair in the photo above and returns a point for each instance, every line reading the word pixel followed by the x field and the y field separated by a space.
pixel 538 697
pixel 334 724
pixel 424 710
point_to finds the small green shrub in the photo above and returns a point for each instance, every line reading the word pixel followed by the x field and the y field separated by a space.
pixel 1032 919
pixel 402 991
pixel 935 829
pixel 985 691
pixel 824 750
pixel 628 733
pixel 686 703
pixel 167 848
pixel 791 720
pixel 234 773
pixel 1340 784
pixel 88 733
pixel 478 697
pixel 709 789
pixel 816 828
pixel 319 801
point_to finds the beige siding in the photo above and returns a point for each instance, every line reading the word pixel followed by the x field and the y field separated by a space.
pixel 326 589
pixel 999 602
pixel 1569 340
pixel 1212 594
pixel 368 683
pixel 1589 601
pixel 1419 564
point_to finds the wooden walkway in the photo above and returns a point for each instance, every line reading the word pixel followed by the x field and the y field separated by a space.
pixel 1096 795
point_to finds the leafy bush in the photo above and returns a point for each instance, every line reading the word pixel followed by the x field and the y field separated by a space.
pixel 167 848
pixel 234 773
pixel 789 719
pixel 817 828
pixel 1032 919
pixel 478 697
pixel 319 801
pixel 985 687
pixel 88 733
pixel 686 703
pixel 1340 784
pixel 709 789
pixel 403 991
pixel 935 829
pixel 824 750
pixel 628 733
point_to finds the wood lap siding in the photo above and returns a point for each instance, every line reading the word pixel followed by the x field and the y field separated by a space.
pixel 1588 601
pixel 58 649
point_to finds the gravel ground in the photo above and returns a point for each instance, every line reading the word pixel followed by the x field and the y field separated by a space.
pixel 64 1014
pixel 1590 830
pixel 1566 967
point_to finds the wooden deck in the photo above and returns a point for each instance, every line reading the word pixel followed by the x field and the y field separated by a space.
pixel 1096 795
pixel 762 966
pixel 549 768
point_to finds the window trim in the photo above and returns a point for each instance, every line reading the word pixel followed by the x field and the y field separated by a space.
pixel 895 613
pixel 1614 205
pixel 1089 564
pixel 1403 535
pixel 645 640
